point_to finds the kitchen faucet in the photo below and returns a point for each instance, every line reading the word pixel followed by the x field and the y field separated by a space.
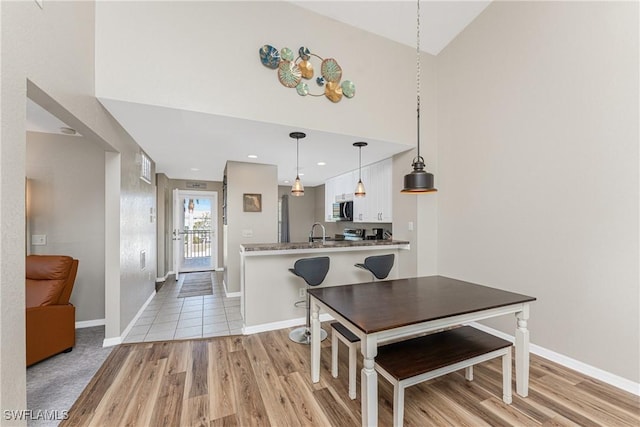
pixel 324 236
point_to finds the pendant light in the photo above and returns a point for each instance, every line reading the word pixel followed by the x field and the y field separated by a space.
pixel 360 192
pixel 418 181
pixel 297 189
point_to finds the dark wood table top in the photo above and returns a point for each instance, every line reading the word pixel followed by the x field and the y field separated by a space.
pixel 379 306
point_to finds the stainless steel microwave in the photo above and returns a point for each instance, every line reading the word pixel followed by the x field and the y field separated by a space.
pixel 343 211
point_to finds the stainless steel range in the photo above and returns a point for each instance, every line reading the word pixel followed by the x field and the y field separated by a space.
pixel 353 234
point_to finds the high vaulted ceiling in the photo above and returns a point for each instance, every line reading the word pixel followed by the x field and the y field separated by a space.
pixel 156 129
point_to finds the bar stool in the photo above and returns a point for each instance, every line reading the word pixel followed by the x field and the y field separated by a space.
pixel 380 266
pixel 313 271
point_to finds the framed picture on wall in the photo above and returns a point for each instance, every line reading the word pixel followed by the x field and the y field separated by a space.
pixel 252 202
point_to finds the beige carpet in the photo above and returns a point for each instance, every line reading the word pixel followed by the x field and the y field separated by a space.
pixel 196 284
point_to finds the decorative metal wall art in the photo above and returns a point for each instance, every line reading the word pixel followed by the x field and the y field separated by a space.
pixel 291 72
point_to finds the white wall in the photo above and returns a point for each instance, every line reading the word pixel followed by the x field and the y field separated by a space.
pixel 204 57
pixel 67 205
pixel 538 159
pixel 49 54
pixel 250 178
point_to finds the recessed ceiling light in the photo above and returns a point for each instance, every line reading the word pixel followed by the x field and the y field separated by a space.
pixel 195 169
pixel 321 163
pixel 301 174
pixel 68 131
pixel 252 156
pixel 286 181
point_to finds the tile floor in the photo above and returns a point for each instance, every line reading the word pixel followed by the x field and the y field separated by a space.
pixel 168 317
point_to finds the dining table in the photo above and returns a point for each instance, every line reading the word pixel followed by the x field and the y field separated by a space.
pixel 381 311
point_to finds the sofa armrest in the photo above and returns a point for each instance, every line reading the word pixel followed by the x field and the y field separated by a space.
pixel 49 330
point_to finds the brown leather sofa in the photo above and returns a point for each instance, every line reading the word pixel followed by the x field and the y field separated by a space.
pixel 50 317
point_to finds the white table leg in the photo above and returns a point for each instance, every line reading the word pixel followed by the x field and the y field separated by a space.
pixel 369 382
pixel 315 342
pixel 506 377
pixel 522 352
pixel 468 373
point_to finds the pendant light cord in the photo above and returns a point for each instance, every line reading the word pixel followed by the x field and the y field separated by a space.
pixel 297 157
pixel 360 163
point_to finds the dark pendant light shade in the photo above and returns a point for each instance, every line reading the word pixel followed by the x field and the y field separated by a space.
pixel 418 181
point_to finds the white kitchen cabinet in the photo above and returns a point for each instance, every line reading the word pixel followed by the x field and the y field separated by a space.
pixel 329 199
pixel 338 189
pixel 345 186
pixel 376 206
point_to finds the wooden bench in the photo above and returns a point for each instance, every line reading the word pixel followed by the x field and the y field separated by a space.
pixel 406 363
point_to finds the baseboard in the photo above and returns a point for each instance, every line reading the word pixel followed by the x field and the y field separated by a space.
pixel 230 294
pixel 597 373
pixel 90 323
pixel 108 342
pixel 273 326
pixel 163 279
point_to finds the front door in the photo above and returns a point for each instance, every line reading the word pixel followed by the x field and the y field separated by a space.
pixel 195 236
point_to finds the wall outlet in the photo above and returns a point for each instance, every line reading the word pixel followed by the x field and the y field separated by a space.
pixel 302 292
pixel 38 239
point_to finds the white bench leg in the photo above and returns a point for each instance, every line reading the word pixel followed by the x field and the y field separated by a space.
pixel 334 354
pixel 398 405
pixel 468 373
pixel 353 347
pixel 506 377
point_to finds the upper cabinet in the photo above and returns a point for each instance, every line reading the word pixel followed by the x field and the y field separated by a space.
pixel 376 206
pixel 338 189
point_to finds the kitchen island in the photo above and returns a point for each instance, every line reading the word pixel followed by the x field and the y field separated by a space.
pixel 269 291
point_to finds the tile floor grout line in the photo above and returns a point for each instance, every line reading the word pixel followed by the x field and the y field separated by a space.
pixel 166 300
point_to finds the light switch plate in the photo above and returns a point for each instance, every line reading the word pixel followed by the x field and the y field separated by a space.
pixel 38 239
pixel 410 226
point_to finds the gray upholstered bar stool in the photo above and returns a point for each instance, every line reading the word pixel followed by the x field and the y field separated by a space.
pixel 380 266
pixel 313 271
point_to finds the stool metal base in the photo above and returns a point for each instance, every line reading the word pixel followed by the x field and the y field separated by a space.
pixel 302 335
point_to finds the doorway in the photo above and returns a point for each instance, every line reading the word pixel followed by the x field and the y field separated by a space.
pixel 195 241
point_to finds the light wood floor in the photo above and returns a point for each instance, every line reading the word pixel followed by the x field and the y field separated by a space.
pixel 263 380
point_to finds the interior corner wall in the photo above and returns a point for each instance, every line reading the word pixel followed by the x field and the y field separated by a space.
pixel 538 158
pixel 248 227
pixel 67 205
pixel 415 216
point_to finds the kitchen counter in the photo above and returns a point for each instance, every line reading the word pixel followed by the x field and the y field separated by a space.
pixel 319 245
pixel 269 291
